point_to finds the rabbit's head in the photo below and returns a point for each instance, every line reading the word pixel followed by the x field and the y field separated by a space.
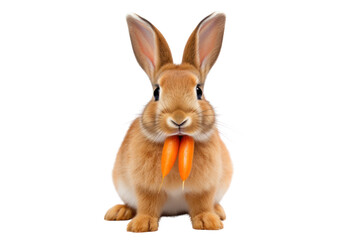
pixel 178 105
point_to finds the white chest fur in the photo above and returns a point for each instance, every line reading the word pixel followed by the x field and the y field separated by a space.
pixel 175 202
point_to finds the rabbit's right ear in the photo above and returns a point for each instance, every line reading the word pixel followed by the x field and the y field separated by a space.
pixel 150 47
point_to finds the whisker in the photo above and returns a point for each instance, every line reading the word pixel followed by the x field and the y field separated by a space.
pixel 195 110
pixel 149 124
pixel 205 110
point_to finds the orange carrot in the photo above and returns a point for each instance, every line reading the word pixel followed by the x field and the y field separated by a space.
pixel 169 154
pixel 186 153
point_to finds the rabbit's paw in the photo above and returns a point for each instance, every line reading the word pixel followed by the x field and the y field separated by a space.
pixel 220 211
pixel 119 212
pixel 207 221
pixel 143 223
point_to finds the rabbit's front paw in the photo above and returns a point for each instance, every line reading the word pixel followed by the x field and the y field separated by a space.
pixel 207 221
pixel 143 223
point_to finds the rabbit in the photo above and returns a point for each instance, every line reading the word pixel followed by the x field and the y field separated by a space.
pixel 178 107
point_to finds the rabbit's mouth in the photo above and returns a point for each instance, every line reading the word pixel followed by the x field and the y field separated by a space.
pixel 180 134
pixel 198 136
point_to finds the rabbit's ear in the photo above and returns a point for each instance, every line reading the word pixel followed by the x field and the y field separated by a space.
pixel 204 44
pixel 150 47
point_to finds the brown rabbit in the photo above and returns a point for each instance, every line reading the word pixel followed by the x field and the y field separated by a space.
pixel 178 107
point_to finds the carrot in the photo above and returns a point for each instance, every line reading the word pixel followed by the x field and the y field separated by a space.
pixel 186 153
pixel 169 154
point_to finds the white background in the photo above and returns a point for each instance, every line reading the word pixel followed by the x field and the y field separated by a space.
pixel 286 88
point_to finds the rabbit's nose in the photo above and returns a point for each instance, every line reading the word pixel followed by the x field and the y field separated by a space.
pixel 177 124
pixel 178 119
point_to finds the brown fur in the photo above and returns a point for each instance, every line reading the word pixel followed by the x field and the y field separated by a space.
pixel 138 162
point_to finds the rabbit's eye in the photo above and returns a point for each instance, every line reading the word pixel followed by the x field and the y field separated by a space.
pixel 198 92
pixel 156 93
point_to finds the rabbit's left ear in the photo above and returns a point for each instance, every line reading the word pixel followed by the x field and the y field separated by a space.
pixel 204 44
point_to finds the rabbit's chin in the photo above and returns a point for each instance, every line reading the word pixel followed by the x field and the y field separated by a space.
pixel 160 136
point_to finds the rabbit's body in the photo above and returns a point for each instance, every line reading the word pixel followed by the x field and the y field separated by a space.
pixel 211 169
pixel 177 108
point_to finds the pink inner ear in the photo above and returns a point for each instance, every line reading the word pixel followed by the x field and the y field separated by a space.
pixel 146 41
pixel 207 39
